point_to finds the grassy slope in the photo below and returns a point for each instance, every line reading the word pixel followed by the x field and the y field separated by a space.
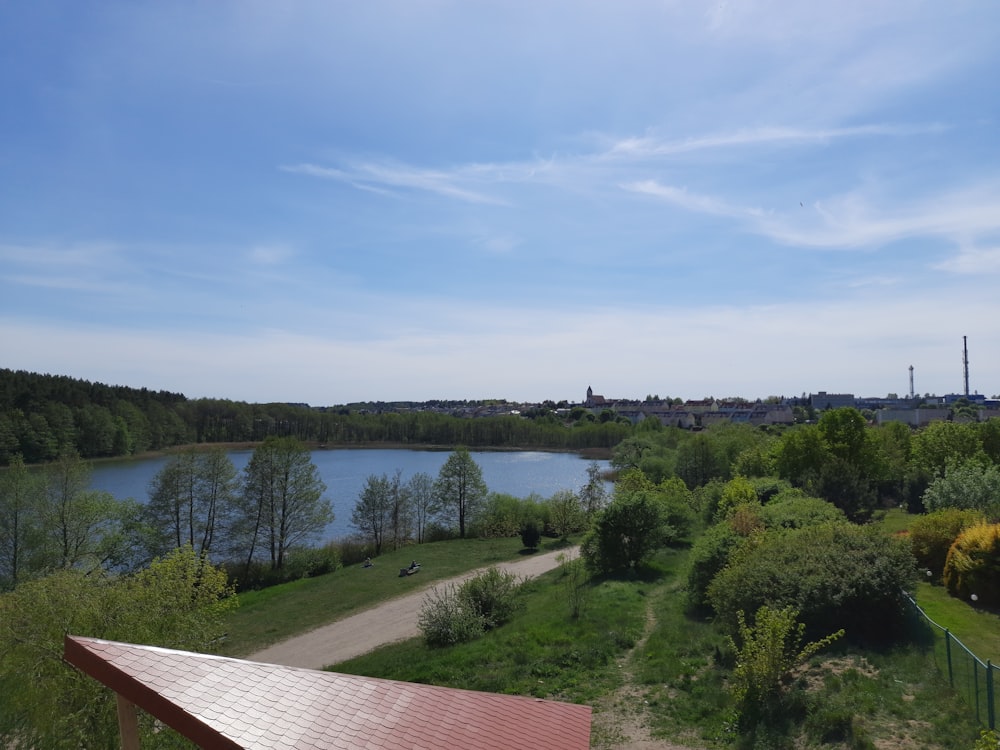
pixel 674 676
pixel 274 614
pixel 897 697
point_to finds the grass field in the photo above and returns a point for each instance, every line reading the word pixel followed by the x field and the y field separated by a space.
pixel 279 612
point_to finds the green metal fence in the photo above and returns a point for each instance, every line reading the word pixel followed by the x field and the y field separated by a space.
pixel 970 676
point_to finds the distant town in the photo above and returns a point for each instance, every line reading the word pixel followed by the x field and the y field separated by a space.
pixel 913 409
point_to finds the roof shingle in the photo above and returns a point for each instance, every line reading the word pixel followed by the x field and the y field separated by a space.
pixel 221 702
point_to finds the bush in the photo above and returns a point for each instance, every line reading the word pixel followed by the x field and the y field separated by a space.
pixel 531 535
pixel 309 562
pixel 678 503
pixel 836 575
pixel 353 549
pixel 709 554
pixel 502 516
pixel 492 595
pixel 931 536
pixel 445 619
pixel 973 565
pixel 969 485
pixel 736 492
pixel 626 532
pixel 458 614
pixel 766 653
pixel 565 514
pixel 436 532
pixel 795 511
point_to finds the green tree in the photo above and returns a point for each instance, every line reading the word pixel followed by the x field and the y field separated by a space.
pixel 372 512
pixel 96 429
pixel 801 454
pixel 192 499
pixel 79 526
pixel 460 487
pixel 970 485
pixel 626 532
pixel 423 504
pixel 21 495
pixel 593 495
pixel 894 445
pixel 846 434
pixel 943 443
pixel 699 461
pixel 178 602
pixel 283 504
pixel 565 514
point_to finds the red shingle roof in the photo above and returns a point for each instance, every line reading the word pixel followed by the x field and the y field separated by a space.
pixel 229 703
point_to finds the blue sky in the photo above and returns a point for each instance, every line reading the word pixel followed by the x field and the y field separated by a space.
pixel 328 202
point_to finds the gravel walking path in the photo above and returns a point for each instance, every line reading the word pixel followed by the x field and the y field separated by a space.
pixel 391 621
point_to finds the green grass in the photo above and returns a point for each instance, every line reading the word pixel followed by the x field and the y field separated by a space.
pixel 543 652
pixel 279 612
pixel 978 629
pixel 896 520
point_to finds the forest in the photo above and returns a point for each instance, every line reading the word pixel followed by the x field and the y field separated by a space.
pixel 44 416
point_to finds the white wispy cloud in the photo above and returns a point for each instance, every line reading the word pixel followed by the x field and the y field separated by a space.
pixel 858 219
pixel 645 147
pixel 972 261
pixel 855 220
pixel 373 175
pixel 691 201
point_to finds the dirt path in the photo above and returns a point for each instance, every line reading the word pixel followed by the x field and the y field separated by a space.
pixel 619 720
pixel 394 620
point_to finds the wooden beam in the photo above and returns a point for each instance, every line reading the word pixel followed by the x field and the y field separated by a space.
pixel 128 723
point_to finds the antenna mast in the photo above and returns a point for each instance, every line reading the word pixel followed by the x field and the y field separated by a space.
pixel 965 362
pixel 911 382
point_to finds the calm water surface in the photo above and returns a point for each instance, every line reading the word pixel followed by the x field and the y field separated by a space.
pixel 518 473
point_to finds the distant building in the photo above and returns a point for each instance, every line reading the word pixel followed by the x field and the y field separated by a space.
pixel 824 400
pixel 594 401
pixel 912 417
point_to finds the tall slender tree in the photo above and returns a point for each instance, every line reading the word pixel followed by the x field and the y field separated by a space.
pixel 283 503
pixel 20 503
pixel 423 503
pixel 371 512
pixel 460 487
pixel 191 499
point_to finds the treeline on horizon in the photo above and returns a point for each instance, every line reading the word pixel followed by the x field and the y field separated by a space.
pixel 43 416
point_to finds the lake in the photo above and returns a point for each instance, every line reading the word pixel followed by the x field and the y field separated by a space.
pixel 344 471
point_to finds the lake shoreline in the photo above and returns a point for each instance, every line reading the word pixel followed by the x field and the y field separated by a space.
pixel 596 454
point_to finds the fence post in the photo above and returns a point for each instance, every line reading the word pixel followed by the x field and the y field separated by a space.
pixel 990 710
pixel 947 648
pixel 975 684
